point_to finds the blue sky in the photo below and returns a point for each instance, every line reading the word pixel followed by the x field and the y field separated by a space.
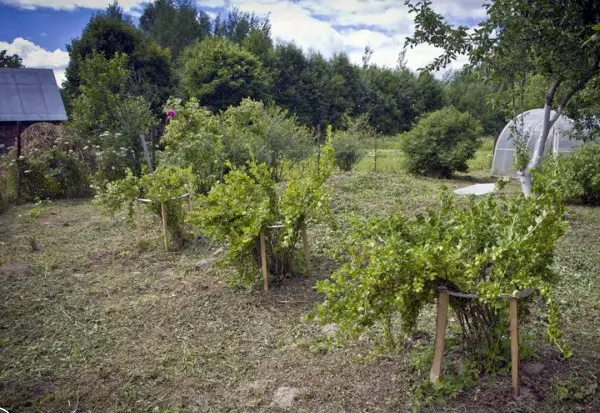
pixel 39 30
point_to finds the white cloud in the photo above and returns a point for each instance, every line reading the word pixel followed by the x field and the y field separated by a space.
pixel 37 57
pixel 127 5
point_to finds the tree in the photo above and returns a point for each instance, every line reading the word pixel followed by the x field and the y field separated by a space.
pixel 174 24
pixel 391 98
pixel 111 32
pixel 107 122
pixel 468 92
pixel 238 25
pixel 7 60
pixel 522 37
pixel 220 73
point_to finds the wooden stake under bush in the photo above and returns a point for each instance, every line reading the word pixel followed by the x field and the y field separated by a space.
pixel 514 342
pixel 440 336
pixel 164 224
pixel 306 250
pixel 263 261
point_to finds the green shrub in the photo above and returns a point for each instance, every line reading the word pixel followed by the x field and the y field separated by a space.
pixel 250 131
pixel 580 174
pixel 441 143
pixel 52 174
pixel 164 189
pixel 394 266
pixel 249 200
pixel 349 144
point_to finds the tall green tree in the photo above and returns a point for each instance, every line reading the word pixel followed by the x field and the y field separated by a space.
pixel 110 32
pixel 391 99
pixel 174 24
pixel 468 92
pixel 518 38
pixel 238 25
pixel 7 60
pixel 220 73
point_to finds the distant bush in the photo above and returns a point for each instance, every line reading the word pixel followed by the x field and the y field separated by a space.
pixel 349 144
pixel 441 143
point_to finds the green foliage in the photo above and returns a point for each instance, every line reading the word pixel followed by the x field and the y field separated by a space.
pixel 578 174
pixel 469 92
pixel 251 130
pixel 174 24
pixel 166 188
pixel 442 143
pixel 106 123
pixel 7 60
pixel 110 33
pixel 220 73
pixel 52 174
pixel 249 201
pixel 491 246
pixel 349 144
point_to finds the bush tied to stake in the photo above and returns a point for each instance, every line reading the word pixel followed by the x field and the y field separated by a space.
pixel 249 200
pixel 489 247
pixel 164 188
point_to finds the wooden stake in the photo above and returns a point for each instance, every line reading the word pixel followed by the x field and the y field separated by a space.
pixel 440 336
pixel 19 162
pixel 263 261
pixel 164 224
pixel 306 250
pixel 514 342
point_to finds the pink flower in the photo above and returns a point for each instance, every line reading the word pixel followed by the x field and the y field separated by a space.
pixel 171 113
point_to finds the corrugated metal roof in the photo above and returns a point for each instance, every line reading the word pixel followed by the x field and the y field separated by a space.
pixel 30 95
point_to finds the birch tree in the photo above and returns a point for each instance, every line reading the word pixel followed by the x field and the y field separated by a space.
pixel 519 38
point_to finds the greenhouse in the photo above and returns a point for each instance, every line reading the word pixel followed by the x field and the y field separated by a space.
pixel 526 128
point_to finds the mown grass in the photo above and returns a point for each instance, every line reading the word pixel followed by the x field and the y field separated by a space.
pixel 102 319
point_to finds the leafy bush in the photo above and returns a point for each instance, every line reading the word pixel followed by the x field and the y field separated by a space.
pixel 266 134
pixel 580 174
pixel 249 201
pixel 349 144
pixel 164 188
pixel 489 247
pixel 53 174
pixel 441 143
pixel 106 122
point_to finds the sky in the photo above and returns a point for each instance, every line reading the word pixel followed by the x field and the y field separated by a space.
pixel 39 30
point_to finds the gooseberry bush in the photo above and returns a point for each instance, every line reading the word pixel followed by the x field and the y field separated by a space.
pixel 394 267
pixel 249 201
pixel 165 189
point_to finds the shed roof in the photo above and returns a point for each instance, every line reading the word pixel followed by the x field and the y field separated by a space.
pixel 30 95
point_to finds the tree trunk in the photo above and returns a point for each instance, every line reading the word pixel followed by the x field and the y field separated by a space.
pixel 538 152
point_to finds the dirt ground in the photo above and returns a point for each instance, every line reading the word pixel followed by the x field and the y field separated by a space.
pixel 96 317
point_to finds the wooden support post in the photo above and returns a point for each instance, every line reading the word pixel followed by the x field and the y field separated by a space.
pixel 306 248
pixel 263 261
pixel 138 224
pixel 440 336
pixel 514 342
pixel 164 224
pixel 19 162
pixel 146 154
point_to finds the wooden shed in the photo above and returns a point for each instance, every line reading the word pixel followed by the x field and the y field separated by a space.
pixel 27 96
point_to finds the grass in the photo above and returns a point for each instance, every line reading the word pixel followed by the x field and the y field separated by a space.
pixel 102 319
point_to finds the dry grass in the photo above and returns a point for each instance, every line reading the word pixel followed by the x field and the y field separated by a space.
pixel 102 319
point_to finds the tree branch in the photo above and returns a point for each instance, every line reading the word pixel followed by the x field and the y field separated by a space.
pixel 578 86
